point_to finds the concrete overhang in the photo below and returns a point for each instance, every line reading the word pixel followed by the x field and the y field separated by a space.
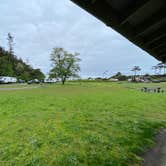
pixel 143 22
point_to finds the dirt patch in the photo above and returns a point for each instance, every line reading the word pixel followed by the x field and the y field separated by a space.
pixel 156 156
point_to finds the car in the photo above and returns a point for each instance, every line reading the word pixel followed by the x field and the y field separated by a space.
pixel 21 81
pixel 35 81
pixel 50 80
pixel 156 81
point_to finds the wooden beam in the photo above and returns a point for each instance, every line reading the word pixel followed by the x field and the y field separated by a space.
pixel 155 19
pixel 93 1
pixel 156 35
pixel 157 43
pixel 157 38
pixel 160 45
pixel 132 10
pixel 162 57
pixel 160 49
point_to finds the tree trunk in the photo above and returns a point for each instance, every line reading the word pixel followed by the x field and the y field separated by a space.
pixel 135 73
pixel 63 80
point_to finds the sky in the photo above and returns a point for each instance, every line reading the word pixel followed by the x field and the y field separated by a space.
pixel 40 25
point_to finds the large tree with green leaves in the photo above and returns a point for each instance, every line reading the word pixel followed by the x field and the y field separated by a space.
pixel 10 39
pixel 64 65
pixel 135 69
pixel 10 65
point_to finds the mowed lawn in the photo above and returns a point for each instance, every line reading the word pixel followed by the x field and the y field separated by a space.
pixel 83 124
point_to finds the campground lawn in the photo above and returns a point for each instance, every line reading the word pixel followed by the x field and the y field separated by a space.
pixel 93 123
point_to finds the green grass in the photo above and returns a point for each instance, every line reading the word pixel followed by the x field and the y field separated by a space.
pixel 79 124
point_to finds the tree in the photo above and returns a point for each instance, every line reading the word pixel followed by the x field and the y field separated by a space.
pixel 65 65
pixel 6 68
pixel 135 69
pixel 10 39
pixel 37 74
pixel 119 76
pixel 19 68
pixel 10 65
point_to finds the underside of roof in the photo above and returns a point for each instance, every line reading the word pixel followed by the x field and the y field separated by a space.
pixel 143 22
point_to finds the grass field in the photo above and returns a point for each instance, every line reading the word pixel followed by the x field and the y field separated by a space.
pixel 79 124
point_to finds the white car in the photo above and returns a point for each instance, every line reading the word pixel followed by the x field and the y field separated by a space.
pixel 50 80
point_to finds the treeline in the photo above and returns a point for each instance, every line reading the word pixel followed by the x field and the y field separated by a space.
pixel 12 66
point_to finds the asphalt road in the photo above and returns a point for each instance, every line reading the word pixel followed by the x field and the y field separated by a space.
pixel 157 155
pixel 18 88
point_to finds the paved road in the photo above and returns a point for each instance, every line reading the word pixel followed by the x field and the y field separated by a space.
pixel 9 89
pixel 157 155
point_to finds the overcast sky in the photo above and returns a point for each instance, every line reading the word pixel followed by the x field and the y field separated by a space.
pixel 40 25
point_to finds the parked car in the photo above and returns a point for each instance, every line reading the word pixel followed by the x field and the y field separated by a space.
pixel 7 80
pixel 21 81
pixel 35 81
pixel 156 81
pixel 50 80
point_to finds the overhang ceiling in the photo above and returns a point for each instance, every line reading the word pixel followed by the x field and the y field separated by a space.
pixel 143 22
